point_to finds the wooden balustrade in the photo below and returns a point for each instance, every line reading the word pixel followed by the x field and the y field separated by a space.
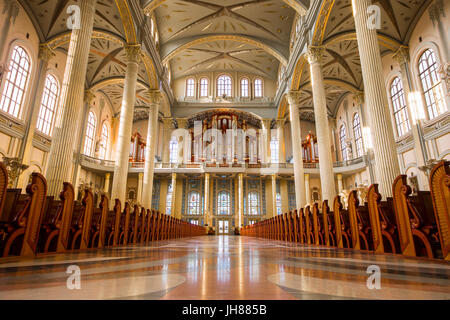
pixel 412 225
pixel 33 223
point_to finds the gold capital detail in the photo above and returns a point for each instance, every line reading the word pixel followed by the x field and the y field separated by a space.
pixel 154 96
pixel 294 97
pixel 402 55
pixel 133 52
pixel 359 97
pixel 315 54
pixel 45 52
pixel 89 96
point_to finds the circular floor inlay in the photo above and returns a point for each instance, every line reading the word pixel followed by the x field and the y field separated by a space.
pixel 352 288
pixel 99 289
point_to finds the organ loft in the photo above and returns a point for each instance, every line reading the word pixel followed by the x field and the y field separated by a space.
pixel 207 150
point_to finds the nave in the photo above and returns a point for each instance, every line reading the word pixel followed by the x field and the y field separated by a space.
pixel 223 268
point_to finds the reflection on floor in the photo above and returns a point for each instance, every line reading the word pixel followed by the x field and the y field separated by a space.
pixel 222 267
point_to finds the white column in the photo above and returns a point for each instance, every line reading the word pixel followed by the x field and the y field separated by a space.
pixel 266 141
pixel 155 99
pixel 119 185
pixel 67 121
pixel 299 177
pixel 241 200
pixel 167 132
pixel 437 12
pixel 307 189
pixel 281 143
pixel 322 125
pixel 386 163
pixel 340 183
pixel 174 198
pixel 139 188
pixel 106 186
pixel 207 203
pixel 274 195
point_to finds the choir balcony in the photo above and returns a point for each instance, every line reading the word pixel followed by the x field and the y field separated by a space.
pixel 349 166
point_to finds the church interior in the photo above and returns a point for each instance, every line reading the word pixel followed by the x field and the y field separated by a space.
pixel 223 150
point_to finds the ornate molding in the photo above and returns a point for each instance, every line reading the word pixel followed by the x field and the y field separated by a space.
pixel 294 97
pixel 315 54
pixel 89 96
pixel 45 52
pixel 154 96
pixel 359 97
pixel 152 6
pixel 133 52
pixel 167 123
pixel 402 55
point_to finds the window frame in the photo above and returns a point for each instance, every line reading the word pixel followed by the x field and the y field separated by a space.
pixel 227 87
pixel 6 81
pixel 357 133
pixel 88 140
pixel 202 89
pixel 247 89
pixel 261 94
pixel 252 202
pixel 197 205
pixel 44 124
pixel 190 88
pixel 103 150
pixel 173 151
pixel 399 107
pixel 220 203
pixel 342 142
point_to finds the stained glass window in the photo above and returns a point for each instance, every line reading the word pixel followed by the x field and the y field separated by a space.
pixel 253 203
pixel 223 203
pixel 194 203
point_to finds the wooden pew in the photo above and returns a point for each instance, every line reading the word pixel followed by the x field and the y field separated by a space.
pixel 21 218
pixel 309 227
pixel 115 230
pixel 440 195
pixel 3 185
pixel 124 225
pixel 327 234
pixel 99 224
pixel 302 227
pixel 316 225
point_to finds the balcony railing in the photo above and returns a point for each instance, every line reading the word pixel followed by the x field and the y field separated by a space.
pixel 351 162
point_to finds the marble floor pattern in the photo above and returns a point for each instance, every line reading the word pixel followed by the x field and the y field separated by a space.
pixel 222 268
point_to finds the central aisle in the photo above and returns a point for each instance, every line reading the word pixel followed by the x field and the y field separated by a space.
pixel 222 268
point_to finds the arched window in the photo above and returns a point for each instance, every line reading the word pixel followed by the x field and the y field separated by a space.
pixel 223 203
pixel 244 88
pixel 190 87
pixel 399 106
pixel 357 132
pixel 431 84
pixel 253 203
pixel 278 202
pixel 169 198
pixel 90 134
pixel 194 203
pixel 203 87
pixel 258 88
pixel 342 140
pixel 16 81
pixel 48 105
pixel 104 141
pixel 274 151
pixel 224 86
pixel 173 150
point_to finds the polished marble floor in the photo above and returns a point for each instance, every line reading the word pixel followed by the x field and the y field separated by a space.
pixel 222 267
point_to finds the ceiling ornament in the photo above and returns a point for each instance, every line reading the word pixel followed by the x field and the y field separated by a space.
pixel 64 38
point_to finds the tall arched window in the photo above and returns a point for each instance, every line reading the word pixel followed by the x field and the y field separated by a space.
pixel 16 81
pixel 48 105
pixel 90 134
pixel 223 203
pixel 173 150
pixel 431 84
pixel 278 202
pixel 244 88
pixel 399 106
pixel 194 203
pixel 357 132
pixel 253 203
pixel 274 151
pixel 258 88
pixel 104 141
pixel 190 87
pixel 169 198
pixel 224 86
pixel 203 87
pixel 342 140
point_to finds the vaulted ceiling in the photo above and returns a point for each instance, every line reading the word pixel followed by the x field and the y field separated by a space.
pixel 230 35
pixel 335 30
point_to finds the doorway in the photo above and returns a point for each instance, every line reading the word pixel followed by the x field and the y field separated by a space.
pixel 224 227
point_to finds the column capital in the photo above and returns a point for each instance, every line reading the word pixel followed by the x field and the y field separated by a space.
pixel 294 97
pixel 182 123
pixel 315 54
pixel 359 96
pixel 167 123
pixel 89 96
pixel 402 55
pixel 45 52
pixel 267 123
pixel 306 176
pixel 174 176
pixel 133 52
pixel 154 96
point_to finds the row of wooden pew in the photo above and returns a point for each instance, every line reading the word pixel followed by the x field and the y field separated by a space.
pixel 33 222
pixel 412 225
